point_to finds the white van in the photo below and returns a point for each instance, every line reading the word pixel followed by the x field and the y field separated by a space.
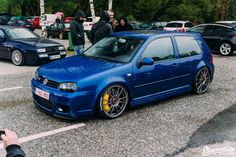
pixel 48 19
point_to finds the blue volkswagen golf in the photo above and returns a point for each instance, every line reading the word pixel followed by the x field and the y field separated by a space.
pixel 126 69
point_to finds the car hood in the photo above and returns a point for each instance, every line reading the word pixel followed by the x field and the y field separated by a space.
pixel 37 42
pixel 75 68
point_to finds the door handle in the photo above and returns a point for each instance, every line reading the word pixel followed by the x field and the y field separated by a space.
pixel 175 65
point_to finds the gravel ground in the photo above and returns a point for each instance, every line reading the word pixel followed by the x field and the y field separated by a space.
pixel 157 129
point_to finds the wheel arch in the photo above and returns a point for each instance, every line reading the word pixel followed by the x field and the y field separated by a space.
pixel 107 84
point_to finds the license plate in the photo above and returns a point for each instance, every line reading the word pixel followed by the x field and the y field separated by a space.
pixel 27 26
pixel 55 57
pixel 42 93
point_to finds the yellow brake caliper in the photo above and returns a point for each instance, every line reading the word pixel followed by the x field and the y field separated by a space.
pixel 105 102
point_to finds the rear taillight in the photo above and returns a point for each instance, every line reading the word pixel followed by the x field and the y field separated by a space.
pixel 91 24
pixel 234 35
pixel 211 57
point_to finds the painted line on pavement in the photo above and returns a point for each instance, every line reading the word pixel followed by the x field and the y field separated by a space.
pixel 12 88
pixel 48 133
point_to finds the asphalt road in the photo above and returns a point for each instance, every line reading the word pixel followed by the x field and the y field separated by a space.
pixel 162 128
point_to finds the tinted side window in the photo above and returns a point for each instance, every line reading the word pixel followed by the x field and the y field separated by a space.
pixel 1 34
pixel 209 29
pixel 199 29
pixel 188 24
pixel 187 46
pixel 159 49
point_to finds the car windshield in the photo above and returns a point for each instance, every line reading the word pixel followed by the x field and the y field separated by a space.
pixel 20 33
pixel 115 49
pixel 174 25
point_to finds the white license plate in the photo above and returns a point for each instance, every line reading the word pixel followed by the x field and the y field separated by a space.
pixel 27 26
pixel 55 57
pixel 42 93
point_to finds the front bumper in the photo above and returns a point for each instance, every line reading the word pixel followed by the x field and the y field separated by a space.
pixel 35 58
pixel 63 104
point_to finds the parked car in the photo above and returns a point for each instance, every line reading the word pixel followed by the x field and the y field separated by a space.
pixel 48 20
pixel 89 23
pixel 135 24
pixel 220 38
pixel 158 25
pixel 59 30
pixel 179 26
pixel 69 19
pixel 22 22
pixel 22 46
pixel 124 70
pixel 4 18
pixel 228 23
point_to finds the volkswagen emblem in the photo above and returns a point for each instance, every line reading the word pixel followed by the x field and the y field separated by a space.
pixel 45 81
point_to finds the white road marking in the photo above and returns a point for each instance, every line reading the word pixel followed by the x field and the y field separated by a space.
pixel 12 88
pixel 48 133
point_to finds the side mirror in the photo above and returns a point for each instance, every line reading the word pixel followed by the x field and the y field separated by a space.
pixel 146 61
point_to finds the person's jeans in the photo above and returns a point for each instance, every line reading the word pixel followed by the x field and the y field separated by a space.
pixel 79 49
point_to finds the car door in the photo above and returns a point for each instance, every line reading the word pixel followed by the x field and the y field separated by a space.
pixel 189 56
pixel 4 53
pixel 156 78
pixel 209 36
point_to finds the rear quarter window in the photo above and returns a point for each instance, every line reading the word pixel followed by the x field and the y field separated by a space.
pixel 187 46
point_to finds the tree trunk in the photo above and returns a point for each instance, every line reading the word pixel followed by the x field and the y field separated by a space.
pixel 110 4
pixel 224 9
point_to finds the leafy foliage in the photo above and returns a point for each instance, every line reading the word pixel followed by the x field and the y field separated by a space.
pixel 197 11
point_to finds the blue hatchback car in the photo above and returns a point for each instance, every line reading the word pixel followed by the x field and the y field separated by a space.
pixel 126 69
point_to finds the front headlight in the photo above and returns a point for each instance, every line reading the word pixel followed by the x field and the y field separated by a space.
pixel 61 48
pixel 41 50
pixel 68 87
pixel 36 75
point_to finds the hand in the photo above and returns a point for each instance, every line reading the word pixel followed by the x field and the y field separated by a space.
pixel 9 138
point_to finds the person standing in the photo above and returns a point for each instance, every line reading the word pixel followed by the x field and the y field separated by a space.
pixel 77 32
pixel 11 144
pixel 102 28
pixel 112 19
pixel 123 25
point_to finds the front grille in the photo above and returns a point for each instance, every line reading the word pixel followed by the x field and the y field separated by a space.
pixel 43 102
pixel 49 83
pixel 52 49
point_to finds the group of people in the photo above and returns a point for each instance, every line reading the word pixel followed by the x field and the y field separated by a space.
pixel 104 27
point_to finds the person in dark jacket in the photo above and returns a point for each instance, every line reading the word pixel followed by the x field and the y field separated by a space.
pixel 77 32
pixel 11 143
pixel 102 28
pixel 123 25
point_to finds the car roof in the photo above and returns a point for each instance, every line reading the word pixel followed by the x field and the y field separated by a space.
pixel 178 21
pixel 213 24
pixel 145 34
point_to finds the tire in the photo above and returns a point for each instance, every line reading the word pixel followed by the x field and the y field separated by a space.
pixel 17 57
pixel 61 35
pixel 202 81
pixel 225 49
pixel 113 101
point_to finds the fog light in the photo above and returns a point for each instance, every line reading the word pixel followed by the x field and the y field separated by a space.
pixel 43 55
pixel 63 53
pixel 60 109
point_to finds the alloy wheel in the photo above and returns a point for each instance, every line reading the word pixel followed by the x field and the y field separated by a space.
pixel 225 49
pixel 17 57
pixel 113 101
pixel 202 81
